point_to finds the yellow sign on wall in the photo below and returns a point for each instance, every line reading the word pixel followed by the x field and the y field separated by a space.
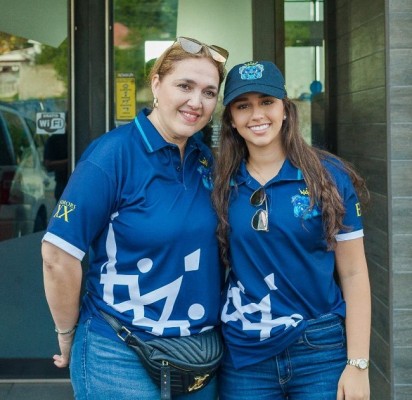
pixel 125 97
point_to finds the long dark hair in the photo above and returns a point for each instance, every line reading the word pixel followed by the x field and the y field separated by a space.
pixel 322 189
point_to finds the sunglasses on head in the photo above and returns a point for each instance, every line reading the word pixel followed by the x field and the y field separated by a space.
pixel 260 220
pixel 193 46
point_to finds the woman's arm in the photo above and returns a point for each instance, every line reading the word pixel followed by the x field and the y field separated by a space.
pixel 62 274
pixel 353 273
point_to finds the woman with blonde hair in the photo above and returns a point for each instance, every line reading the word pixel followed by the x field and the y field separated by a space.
pixel 139 198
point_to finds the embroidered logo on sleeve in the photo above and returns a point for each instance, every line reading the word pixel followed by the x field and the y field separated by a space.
pixel 64 208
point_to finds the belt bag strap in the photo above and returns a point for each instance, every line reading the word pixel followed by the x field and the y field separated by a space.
pixel 177 365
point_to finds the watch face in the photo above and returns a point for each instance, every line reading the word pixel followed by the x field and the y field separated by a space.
pixel 363 364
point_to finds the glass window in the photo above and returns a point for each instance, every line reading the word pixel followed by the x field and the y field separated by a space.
pixel 33 88
pixel 18 135
pixel 304 64
pixel 142 29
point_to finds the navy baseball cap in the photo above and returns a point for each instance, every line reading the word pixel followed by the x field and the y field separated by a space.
pixel 254 76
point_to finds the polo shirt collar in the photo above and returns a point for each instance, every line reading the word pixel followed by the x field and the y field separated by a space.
pixel 288 172
pixel 152 139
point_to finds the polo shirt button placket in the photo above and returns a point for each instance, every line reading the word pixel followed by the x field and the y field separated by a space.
pixel 179 171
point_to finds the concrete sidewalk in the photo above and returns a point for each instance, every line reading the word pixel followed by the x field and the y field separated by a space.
pixel 36 390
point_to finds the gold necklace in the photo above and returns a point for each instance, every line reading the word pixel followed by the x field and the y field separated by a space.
pixel 273 173
pixel 262 180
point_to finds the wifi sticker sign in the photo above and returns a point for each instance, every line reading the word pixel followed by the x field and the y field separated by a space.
pixel 50 123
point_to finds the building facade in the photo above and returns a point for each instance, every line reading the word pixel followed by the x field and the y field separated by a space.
pixel 347 66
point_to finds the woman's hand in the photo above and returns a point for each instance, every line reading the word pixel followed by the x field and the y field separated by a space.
pixel 353 384
pixel 65 344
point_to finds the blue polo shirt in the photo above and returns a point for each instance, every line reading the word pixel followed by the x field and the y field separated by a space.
pixel 281 278
pixel 146 219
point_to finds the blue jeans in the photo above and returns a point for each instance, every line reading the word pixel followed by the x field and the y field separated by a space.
pixel 106 369
pixel 309 369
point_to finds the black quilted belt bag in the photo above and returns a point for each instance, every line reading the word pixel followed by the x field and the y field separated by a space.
pixel 179 365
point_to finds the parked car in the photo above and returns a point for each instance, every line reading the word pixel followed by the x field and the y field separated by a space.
pixel 26 190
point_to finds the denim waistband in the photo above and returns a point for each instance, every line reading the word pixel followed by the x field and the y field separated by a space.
pixel 324 320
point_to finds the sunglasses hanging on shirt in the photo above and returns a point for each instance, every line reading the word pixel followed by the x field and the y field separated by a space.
pixel 260 220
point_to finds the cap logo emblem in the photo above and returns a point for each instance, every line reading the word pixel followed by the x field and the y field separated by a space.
pixel 250 72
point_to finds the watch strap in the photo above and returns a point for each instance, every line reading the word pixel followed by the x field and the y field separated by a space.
pixel 360 363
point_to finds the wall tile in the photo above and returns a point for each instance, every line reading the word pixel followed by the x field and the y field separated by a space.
pixel 341 5
pixel 400 5
pixel 376 244
pixel 400 30
pixel 368 39
pixel 343 44
pixel 402 333
pixel 401 180
pixel 369 106
pixel 375 173
pixel 49 390
pixel 402 368
pixel 403 392
pixel 380 385
pixel 379 278
pixel 344 109
pixel 364 11
pixel 401 140
pixel 342 26
pixel 400 104
pixel 343 83
pixel 401 215
pixel 400 67
pixel 5 389
pixel 368 72
pixel 380 356
pixel 370 139
pixel 401 289
pixel 402 253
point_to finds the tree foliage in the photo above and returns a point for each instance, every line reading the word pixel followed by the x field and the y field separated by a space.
pixel 147 17
pixel 10 43
pixel 58 57
pixel 145 20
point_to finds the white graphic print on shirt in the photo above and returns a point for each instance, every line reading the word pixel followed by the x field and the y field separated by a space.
pixel 137 301
pixel 266 323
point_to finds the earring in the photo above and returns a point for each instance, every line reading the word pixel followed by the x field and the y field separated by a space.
pixel 284 117
pixel 155 102
pixel 211 119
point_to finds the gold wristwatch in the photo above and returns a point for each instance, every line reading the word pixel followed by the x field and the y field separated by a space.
pixel 360 363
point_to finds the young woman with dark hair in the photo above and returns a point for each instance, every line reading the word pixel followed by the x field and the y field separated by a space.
pixel 296 313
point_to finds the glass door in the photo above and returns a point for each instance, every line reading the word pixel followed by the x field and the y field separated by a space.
pixel 33 168
pixel 33 135
pixel 305 64
pixel 141 31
